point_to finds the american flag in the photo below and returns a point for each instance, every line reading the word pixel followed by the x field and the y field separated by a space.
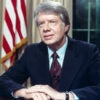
pixel 14 30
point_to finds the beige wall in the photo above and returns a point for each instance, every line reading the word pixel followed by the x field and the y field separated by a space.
pixel 33 35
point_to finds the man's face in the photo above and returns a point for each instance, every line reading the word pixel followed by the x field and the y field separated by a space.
pixel 52 29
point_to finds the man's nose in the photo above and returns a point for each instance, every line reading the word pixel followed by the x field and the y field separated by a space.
pixel 46 27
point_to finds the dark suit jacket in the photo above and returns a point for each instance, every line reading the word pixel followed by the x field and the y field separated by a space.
pixel 80 71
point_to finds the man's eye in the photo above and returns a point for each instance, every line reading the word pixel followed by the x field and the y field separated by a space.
pixel 40 24
pixel 53 22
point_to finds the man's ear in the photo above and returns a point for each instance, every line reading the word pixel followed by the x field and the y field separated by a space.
pixel 67 27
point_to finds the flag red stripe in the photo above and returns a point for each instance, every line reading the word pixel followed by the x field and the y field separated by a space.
pixel 18 27
pixel 14 2
pixel 10 26
pixel 6 45
pixel 23 6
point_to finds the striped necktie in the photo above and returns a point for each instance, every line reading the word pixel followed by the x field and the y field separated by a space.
pixel 55 71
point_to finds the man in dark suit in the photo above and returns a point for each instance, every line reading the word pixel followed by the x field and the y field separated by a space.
pixel 79 77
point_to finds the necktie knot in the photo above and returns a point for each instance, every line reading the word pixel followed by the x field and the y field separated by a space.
pixel 55 56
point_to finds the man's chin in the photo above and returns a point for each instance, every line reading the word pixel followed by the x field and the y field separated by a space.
pixel 49 42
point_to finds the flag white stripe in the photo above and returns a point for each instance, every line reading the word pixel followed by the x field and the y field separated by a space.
pixel 8 36
pixel 21 18
pixel 3 53
pixel 17 38
pixel 11 12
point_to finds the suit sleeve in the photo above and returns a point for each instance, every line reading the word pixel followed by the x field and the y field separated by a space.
pixel 13 78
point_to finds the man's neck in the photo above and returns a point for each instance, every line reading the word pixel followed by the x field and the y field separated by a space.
pixel 58 45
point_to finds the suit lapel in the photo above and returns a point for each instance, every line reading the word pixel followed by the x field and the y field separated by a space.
pixel 44 63
pixel 70 66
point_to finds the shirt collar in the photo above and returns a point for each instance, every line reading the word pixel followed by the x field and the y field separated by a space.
pixel 61 51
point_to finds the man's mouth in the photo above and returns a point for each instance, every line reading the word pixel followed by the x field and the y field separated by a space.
pixel 48 37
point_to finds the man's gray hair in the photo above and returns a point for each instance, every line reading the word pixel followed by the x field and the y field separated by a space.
pixel 52 7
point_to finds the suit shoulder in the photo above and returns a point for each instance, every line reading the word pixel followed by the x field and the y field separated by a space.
pixel 33 45
pixel 84 47
pixel 84 44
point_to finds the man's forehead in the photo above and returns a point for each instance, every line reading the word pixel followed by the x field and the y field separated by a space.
pixel 42 16
pixel 48 12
